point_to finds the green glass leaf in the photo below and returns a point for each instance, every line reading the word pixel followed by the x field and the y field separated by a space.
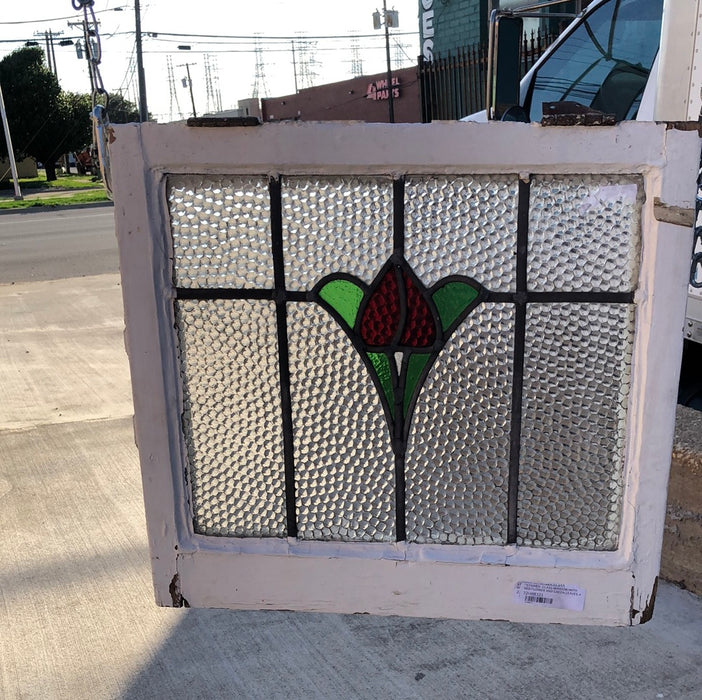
pixel 451 301
pixel 344 297
pixel 381 364
pixel 415 366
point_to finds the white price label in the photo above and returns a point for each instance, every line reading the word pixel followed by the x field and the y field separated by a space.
pixel 549 595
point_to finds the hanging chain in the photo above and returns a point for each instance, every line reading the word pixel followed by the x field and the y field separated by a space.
pixel 100 98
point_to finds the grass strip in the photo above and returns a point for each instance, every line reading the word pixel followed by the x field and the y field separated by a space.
pixel 57 201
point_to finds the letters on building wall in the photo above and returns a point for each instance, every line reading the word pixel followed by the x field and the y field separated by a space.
pixel 428 29
pixel 378 90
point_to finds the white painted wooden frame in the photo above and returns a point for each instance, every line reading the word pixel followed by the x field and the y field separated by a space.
pixel 405 579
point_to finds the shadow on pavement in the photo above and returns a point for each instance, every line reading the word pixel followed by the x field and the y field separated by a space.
pixel 228 654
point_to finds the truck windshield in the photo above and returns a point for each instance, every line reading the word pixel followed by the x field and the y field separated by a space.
pixel 604 63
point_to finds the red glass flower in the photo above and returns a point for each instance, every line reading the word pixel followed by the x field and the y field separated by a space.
pixel 396 313
pixel 399 327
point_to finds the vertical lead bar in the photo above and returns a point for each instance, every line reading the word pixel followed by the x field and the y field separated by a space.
pixel 400 507
pixel 518 368
pixel 398 215
pixel 282 322
pixel 398 233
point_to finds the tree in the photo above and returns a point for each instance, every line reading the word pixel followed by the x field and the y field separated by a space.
pixel 44 121
pixel 75 131
pixel 121 111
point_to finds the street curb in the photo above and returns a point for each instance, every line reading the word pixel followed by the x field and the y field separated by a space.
pixel 57 207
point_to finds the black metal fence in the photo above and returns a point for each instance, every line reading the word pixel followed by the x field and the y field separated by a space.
pixel 453 86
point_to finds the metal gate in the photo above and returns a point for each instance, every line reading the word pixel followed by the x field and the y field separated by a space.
pixel 454 85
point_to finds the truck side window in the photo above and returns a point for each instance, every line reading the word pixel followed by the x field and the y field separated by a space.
pixel 604 63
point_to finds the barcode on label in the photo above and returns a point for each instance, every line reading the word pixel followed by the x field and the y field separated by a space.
pixel 537 599
pixel 549 595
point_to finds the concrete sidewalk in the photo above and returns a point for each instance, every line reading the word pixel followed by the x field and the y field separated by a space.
pixel 77 618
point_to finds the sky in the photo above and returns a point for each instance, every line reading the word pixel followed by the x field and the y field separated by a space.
pixel 251 45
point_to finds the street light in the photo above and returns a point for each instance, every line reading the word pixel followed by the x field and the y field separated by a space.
pixel 390 18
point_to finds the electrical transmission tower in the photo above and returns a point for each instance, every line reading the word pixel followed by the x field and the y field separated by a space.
pixel 400 54
pixel 306 61
pixel 356 60
pixel 259 89
pixel 214 98
pixel 173 91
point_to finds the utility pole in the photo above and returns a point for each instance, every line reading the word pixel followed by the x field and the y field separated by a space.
pixel 294 65
pixel 10 152
pixel 87 48
pixel 390 19
pixel 88 54
pixel 53 53
pixel 50 51
pixel 190 85
pixel 391 104
pixel 143 111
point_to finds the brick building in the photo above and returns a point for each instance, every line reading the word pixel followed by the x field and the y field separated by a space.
pixel 364 99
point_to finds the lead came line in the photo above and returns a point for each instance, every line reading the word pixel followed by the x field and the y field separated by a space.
pixel 518 366
pixel 283 354
pixel 398 230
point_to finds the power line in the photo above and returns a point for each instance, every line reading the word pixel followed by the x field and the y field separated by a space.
pixel 22 40
pixel 58 19
pixel 250 38
pixel 131 70
pixel 256 40
pixel 337 49
pixel 400 49
pixel 33 38
pixel 265 38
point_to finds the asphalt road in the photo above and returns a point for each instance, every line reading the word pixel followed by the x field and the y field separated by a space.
pixel 57 244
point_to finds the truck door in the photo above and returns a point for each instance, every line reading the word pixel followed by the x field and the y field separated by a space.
pixel 604 62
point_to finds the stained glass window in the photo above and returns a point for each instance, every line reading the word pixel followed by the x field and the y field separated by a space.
pixel 429 359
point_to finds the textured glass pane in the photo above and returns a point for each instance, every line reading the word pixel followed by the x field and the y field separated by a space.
pixel 584 232
pixel 344 462
pixel 576 382
pixel 335 224
pixel 458 454
pixel 232 416
pixel 221 231
pixel 464 226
